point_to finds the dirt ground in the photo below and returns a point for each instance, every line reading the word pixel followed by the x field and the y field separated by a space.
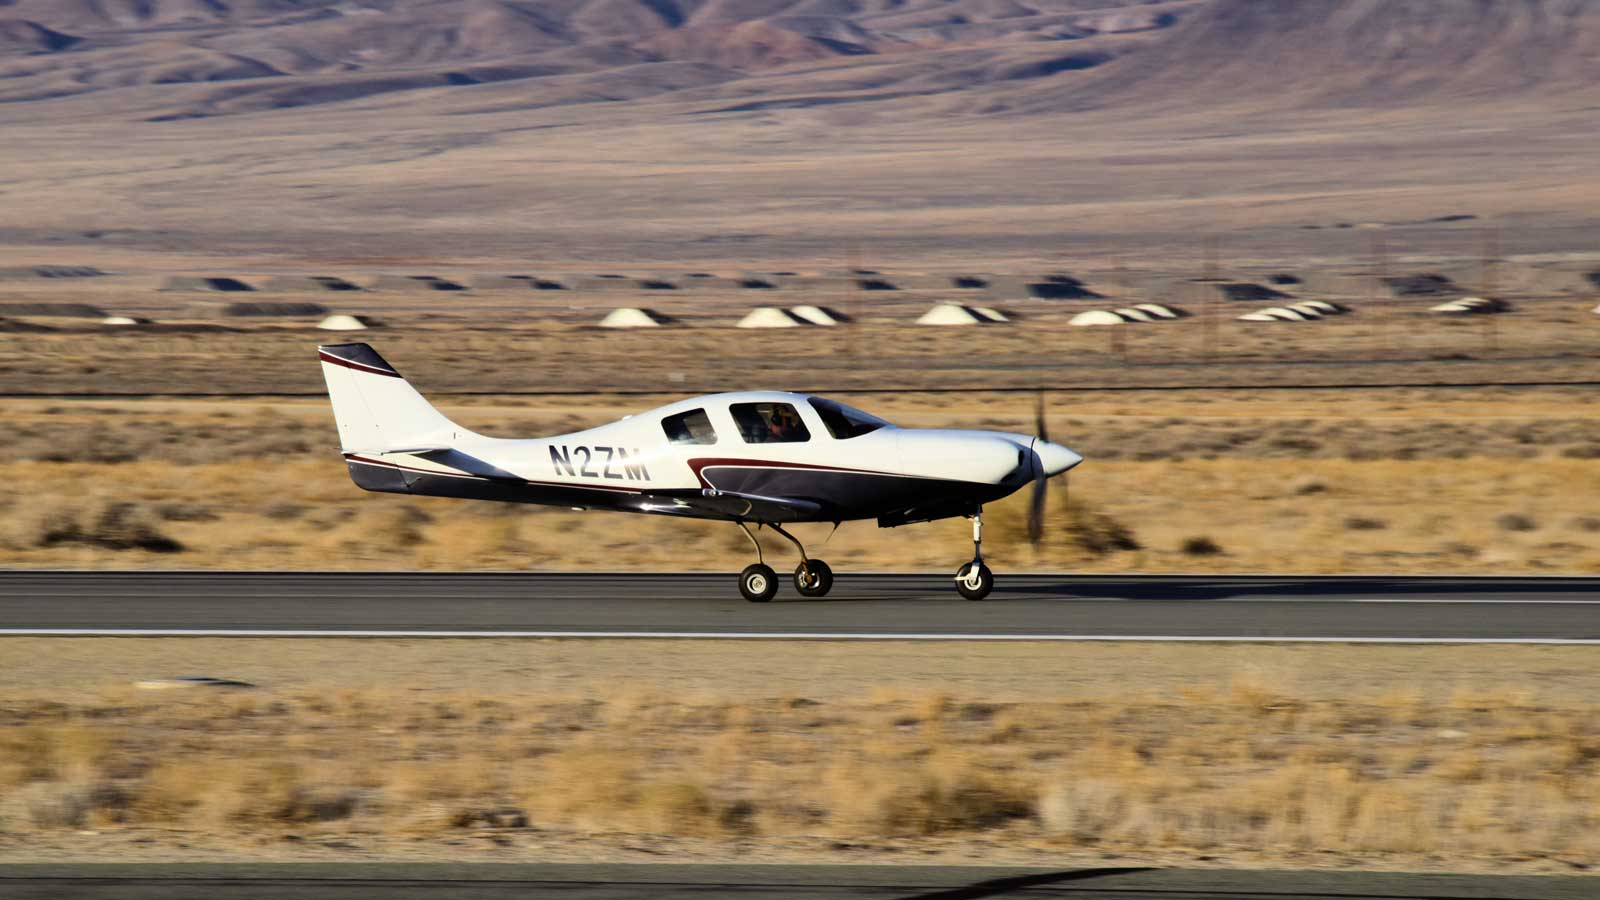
pixel 1418 758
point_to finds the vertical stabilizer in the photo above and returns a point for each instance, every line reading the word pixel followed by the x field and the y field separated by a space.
pixel 375 408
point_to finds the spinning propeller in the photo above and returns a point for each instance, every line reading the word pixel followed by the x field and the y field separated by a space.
pixel 1041 481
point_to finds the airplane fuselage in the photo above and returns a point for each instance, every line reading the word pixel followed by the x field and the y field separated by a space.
pixel 635 465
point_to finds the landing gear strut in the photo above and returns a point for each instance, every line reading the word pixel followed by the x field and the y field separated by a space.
pixel 974 581
pixel 813 577
pixel 758 583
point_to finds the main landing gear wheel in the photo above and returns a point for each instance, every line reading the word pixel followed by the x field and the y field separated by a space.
pixel 813 578
pixel 758 582
pixel 974 580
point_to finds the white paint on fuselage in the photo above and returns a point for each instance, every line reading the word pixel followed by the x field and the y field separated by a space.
pixel 978 457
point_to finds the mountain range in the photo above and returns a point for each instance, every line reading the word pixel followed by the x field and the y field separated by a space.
pixel 994 56
pixel 789 129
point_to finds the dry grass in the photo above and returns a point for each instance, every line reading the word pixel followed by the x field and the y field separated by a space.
pixel 1220 515
pixel 1215 481
pixel 1042 754
pixel 1211 766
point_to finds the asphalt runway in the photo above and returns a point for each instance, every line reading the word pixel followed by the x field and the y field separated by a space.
pixel 366 881
pixel 1023 607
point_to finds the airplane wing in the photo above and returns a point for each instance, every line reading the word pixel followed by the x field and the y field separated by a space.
pixel 705 504
pixel 731 505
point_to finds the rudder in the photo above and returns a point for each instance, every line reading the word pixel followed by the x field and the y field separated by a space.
pixel 376 409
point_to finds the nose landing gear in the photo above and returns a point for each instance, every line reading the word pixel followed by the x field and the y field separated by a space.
pixel 974 581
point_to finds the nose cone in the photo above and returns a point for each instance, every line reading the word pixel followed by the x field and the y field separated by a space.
pixel 972 456
pixel 1055 458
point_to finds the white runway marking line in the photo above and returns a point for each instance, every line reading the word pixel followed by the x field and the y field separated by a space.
pixel 1290 600
pixel 772 636
pixel 1419 600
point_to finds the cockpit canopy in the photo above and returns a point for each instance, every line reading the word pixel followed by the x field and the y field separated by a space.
pixel 772 422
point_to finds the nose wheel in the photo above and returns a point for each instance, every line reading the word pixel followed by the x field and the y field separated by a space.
pixel 974 580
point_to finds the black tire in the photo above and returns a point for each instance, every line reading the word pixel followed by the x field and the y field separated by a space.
pixel 758 583
pixel 821 580
pixel 974 585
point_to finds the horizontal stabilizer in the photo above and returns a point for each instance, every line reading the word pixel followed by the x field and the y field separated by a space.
pixel 464 462
pixel 407 451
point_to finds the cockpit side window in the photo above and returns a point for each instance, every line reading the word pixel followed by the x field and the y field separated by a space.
pixel 844 422
pixel 769 423
pixel 692 427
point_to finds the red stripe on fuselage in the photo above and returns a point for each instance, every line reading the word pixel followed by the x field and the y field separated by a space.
pixel 716 462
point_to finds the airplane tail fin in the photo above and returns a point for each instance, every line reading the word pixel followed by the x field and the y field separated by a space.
pixel 376 409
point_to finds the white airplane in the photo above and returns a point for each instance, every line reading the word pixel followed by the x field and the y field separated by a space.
pixel 763 457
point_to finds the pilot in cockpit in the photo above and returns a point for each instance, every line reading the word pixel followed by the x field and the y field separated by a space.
pixel 783 424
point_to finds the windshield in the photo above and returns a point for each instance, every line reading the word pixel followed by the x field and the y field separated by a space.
pixel 844 421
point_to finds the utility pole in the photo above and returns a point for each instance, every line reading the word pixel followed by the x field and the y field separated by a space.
pixel 1208 275
pixel 853 303
pixel 1489 270
pixel 1380 264
pixel 1119 277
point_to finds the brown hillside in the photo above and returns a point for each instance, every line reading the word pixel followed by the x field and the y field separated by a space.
pixel 135 15
pixel 20 35
pixel 1052 55
pixel 668 130
pixel 1368 51
pixel 763 43
pixel 469 31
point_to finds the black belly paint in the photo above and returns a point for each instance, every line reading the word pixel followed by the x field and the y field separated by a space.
pixel 842 495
